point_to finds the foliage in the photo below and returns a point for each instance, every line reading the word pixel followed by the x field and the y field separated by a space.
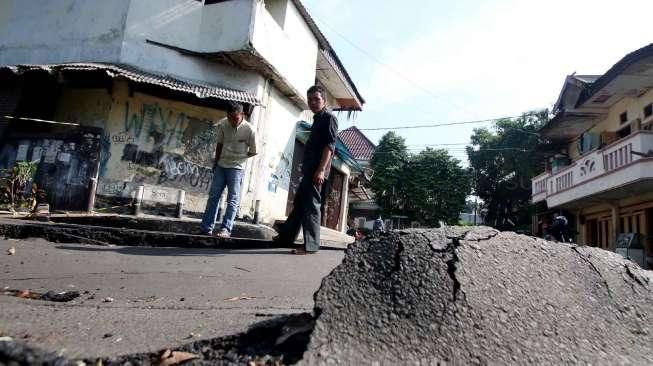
pixel 428 187
pixel 503 162
pixel 14 190
pixel 389 161
pixel 436 187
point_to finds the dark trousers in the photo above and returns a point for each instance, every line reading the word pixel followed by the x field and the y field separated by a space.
pixel 305 214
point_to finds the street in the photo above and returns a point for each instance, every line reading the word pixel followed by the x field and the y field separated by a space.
pixel 146 299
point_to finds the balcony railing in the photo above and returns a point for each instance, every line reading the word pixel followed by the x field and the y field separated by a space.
pixel 592 165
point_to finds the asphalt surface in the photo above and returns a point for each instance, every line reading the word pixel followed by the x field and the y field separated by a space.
pixel 462 297
pixel 161 297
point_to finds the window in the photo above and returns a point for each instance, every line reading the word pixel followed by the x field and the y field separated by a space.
pixel 277 8
pixel 648 110
pixel 623 118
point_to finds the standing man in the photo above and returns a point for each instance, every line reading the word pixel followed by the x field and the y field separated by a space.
pixel 316 166
pixel 236 142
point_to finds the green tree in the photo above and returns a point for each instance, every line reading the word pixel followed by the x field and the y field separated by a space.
pixel 436 187
pixel 503 162
pixel 389 161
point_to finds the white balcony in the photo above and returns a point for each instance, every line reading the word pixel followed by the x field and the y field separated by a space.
pixel 597 172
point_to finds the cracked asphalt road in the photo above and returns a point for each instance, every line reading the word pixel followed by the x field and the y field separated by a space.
pixel 161 295
pixel 477 296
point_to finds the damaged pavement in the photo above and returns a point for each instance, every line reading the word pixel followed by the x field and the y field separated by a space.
pixel 450 296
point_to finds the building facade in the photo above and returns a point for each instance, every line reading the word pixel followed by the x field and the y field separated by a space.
pixel 119 98
pixel 600 168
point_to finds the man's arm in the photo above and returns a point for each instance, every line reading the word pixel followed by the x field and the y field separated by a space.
pixel 330 137
pixel 318 178
pixel 219 144
pixel 252 145
pixel 218 152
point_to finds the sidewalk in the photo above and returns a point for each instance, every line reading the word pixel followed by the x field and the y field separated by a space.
pixel 148 231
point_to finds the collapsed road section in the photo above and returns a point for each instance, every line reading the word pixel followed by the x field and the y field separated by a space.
pixel 455 296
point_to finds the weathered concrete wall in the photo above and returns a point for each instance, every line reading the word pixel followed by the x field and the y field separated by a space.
pixel 43 31
pixel 162 144
pixel 189 24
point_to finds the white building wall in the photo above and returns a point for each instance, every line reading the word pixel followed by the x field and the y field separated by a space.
pixel 45 31
pixel 268 175
pixel 291 49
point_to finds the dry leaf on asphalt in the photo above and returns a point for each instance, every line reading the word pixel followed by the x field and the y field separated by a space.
pixel 169 358
pixel 11 251
pixel 23 294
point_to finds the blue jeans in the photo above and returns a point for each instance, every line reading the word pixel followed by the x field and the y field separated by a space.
pixel 231 178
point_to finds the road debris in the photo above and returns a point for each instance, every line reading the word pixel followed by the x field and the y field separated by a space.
pixel 240 298
pixel 170 358
pixel 65 296
pixel 108 299
pixel 242 269
pixel 11 251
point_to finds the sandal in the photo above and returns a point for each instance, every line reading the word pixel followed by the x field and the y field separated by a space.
pixel 301 252
pixel 223 234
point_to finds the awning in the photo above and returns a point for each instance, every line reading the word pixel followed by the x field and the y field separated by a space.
pixel 197 88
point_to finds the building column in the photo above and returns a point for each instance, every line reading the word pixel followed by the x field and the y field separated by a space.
pixel 616 224
pixel 580 228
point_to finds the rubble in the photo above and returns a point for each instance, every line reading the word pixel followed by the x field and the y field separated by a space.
pixel 464 296
pixel 54 296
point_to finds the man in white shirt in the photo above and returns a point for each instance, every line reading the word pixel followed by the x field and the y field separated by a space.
pixel 236 142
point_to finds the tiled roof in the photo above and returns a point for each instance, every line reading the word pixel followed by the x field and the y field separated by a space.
pixel 198 88
pixel 359 145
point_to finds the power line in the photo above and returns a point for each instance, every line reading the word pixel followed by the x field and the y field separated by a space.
pixel 447 124
pixel 385 65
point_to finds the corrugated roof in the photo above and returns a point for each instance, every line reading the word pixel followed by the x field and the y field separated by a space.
pixel 359 145
pixel 198 88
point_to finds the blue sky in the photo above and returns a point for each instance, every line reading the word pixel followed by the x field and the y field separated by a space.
pixel 429 62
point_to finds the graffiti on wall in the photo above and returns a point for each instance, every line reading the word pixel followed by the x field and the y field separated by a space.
pixel 174 170
pixel 167 147
pixel 170 128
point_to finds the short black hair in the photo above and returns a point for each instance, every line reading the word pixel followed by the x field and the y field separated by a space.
pixel 317 89
pixel 234 107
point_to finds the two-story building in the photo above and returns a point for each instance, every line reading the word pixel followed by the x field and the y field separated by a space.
pixel 600 167
pixel 117 99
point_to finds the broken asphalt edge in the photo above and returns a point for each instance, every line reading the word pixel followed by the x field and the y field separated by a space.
pixel 106 236
pixel 279 340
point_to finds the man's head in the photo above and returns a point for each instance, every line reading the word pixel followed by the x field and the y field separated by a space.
pixel 316 98
pixel 235 113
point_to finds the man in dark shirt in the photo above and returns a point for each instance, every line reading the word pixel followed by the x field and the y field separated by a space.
pixel 316 166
